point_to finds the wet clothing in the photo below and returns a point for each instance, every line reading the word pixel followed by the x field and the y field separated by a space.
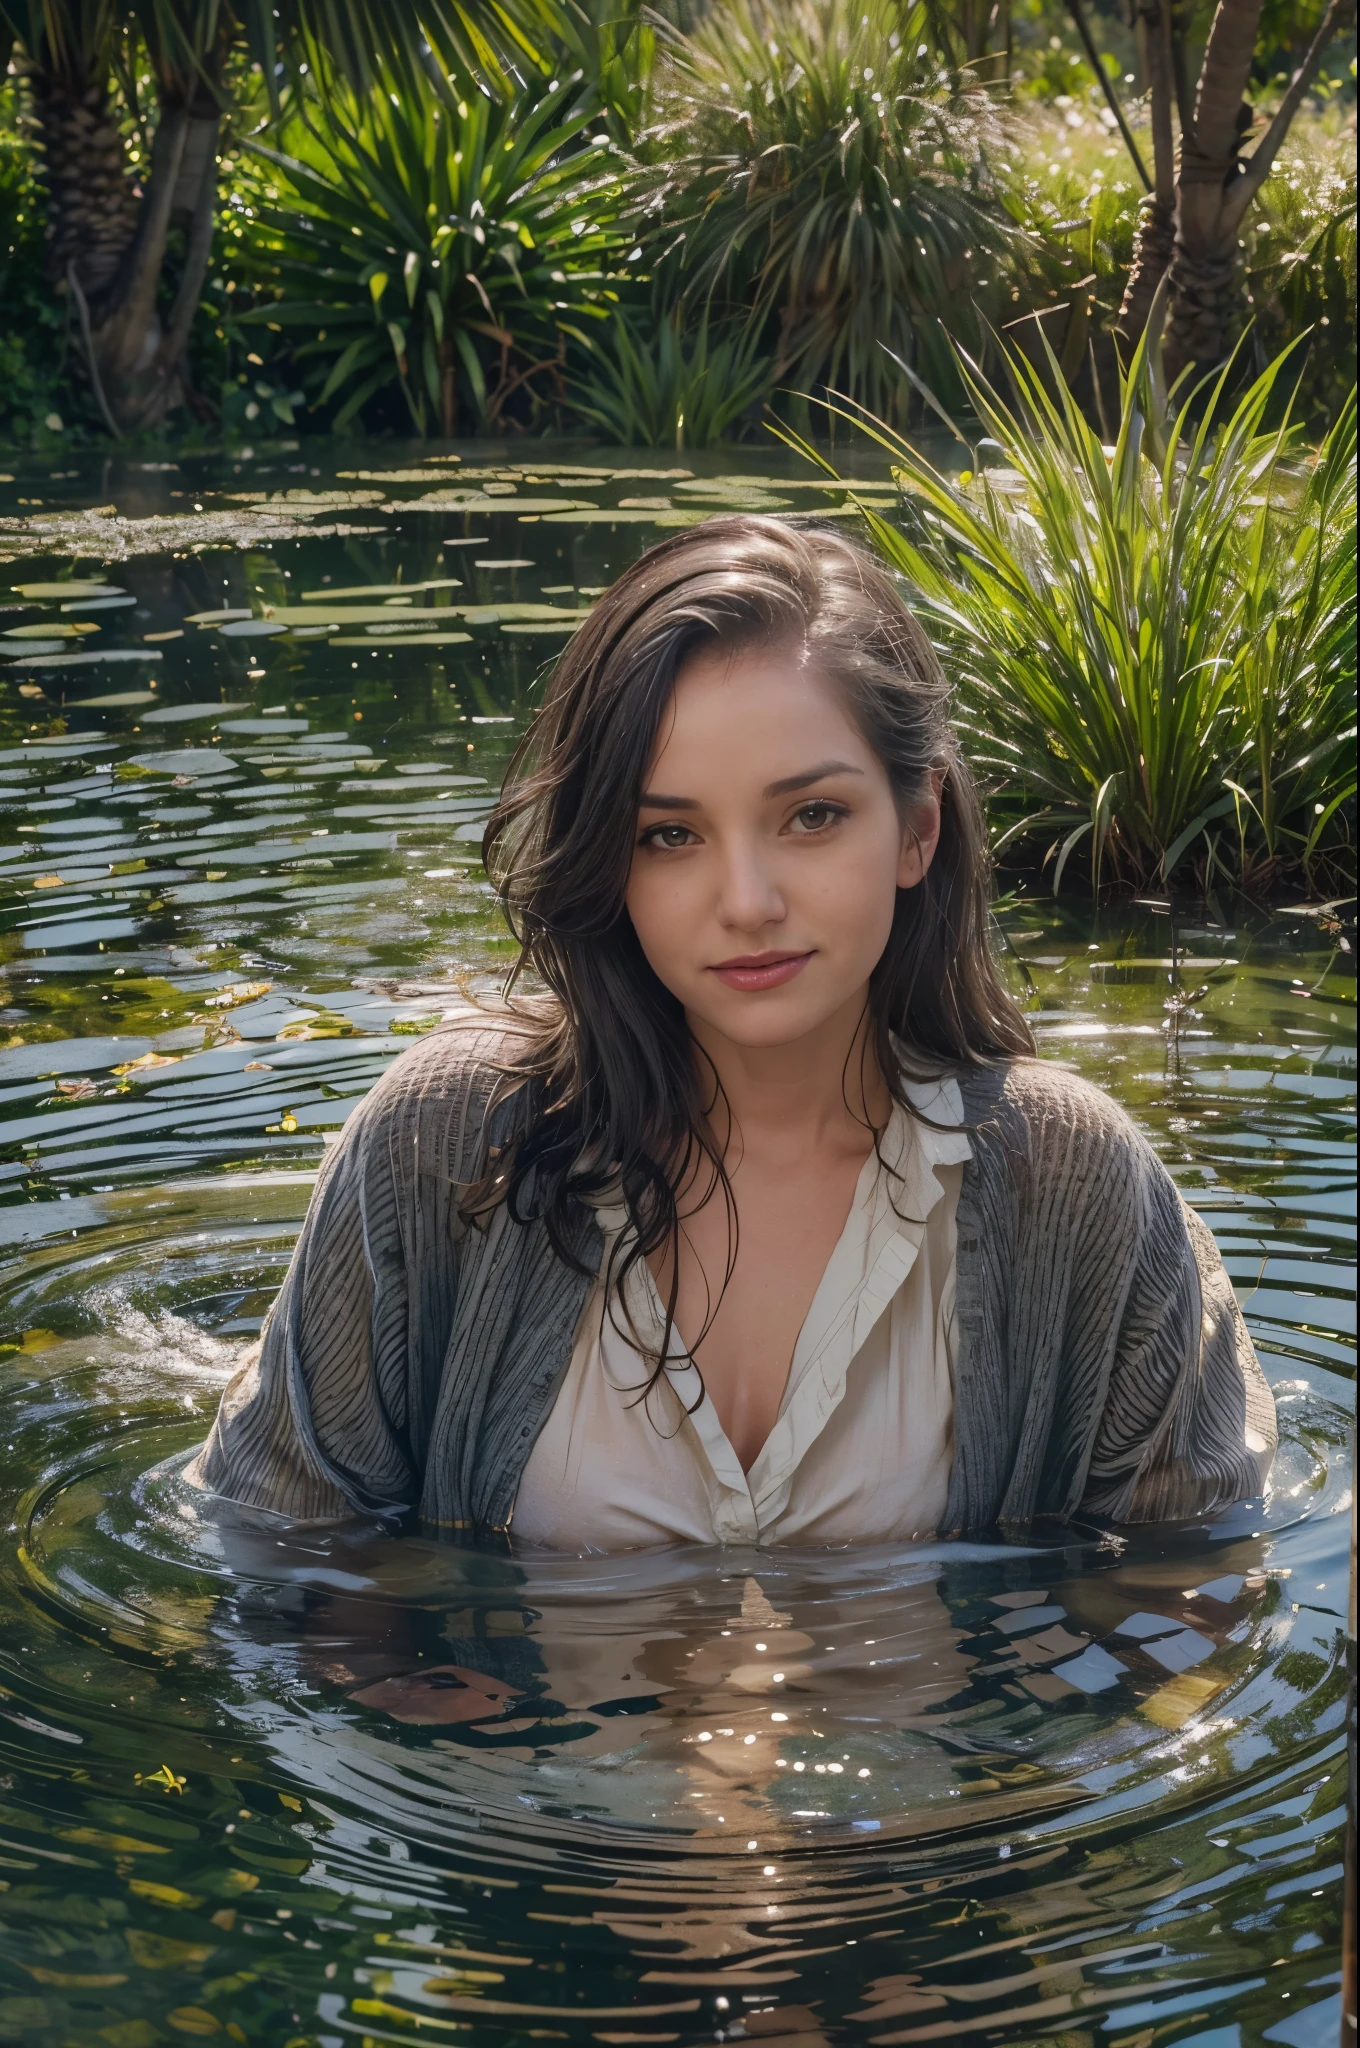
pixel 1101 1364
pixel 863 1443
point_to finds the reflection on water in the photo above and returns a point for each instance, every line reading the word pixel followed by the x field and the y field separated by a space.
pixel 336 1787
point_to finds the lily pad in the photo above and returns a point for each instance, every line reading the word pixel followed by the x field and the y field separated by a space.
pixel 75 588
pixel 117 700
pixel 217 618
pixel 182 714
pixel 251 629
pixel 382 590
pixel 54 629
pixel 404 640
pixel 269 725
pixel 82 660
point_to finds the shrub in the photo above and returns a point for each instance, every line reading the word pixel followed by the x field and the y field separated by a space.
pixel 814 171
pixel 662 390
pixel 1154 643
pixel 437 247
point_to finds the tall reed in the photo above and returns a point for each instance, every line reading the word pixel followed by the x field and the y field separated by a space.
pixel 1153 643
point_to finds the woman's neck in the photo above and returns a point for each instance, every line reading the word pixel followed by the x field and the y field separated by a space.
pixel 822 1092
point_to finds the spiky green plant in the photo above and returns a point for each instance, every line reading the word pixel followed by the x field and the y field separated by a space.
pixel 442 244
pixel 1153 643
pixel 815 168
pixel 667 390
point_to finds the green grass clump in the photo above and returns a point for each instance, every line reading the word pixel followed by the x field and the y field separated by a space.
pixel 817 173
pixel 1153 642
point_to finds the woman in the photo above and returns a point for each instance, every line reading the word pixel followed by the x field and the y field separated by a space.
pixel 762 1224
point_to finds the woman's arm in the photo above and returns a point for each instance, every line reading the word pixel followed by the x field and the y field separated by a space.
pixel 330 1414
pixel 1188 1422
pixel 303 1429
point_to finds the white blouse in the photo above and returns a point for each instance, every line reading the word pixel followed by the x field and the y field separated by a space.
pixel 863 1444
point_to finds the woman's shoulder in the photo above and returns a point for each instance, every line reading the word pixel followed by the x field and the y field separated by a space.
pixel 1048 1113
pixel 439 1092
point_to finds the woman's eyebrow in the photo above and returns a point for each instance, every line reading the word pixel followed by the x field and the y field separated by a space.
pixel 789 783
pixel 652 800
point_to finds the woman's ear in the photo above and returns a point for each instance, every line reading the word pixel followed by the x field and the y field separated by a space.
pixel 921 834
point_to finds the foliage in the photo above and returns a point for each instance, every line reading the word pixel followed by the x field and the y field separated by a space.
pixel 1301 258
pixel 438 246
pixel 664 391
pixel 813 169
pixel 33 389
pixel 1071 187
pixel 1154 643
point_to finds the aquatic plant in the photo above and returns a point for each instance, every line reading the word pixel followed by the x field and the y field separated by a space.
pixel 815 172
pixel 440 241
pixel 667 390
pixel 1153 642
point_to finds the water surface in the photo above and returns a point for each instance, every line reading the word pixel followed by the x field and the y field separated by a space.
pixel 340 1788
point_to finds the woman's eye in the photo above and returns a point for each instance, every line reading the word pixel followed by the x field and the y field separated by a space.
pixel 667 836
pixel 816 817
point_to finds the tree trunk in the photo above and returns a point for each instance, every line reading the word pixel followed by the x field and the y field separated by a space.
pixel 91 210
pixel 107 239
pixel 138 357
pixel 1216 186
pixel 1157 217
pixel 1205 287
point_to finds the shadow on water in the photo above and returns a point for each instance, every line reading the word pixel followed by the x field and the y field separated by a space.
pixel 282 1786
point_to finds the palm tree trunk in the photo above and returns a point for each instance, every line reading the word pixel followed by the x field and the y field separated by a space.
pixel 91 210
pixel 1157 218
pixel 1216 186
pixel 137 356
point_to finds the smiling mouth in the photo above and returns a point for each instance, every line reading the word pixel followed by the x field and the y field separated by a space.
pixel 752 972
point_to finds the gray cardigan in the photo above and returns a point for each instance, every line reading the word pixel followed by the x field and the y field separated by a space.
pixel 410 1361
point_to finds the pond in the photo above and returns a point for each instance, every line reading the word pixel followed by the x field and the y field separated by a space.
pixel 1087 1791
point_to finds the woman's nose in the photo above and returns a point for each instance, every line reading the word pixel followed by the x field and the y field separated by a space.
pixel 749 896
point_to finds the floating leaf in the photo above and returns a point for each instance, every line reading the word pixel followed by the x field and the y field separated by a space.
pixel 382 590
pixel 83 660
pixel 75 588
pixel 238 992
pixel 164 1777
pixel 325 1024
pixel 149 1059
pixel 48 882
pixel 385 640
pixel 53 629
pixel 182 714
pixel 162 1952
pixel 163 1894
pixel 1172 1705
pixel 119 700
pixel 71 1980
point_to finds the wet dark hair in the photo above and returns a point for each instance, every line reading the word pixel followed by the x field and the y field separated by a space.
pixel 609 1093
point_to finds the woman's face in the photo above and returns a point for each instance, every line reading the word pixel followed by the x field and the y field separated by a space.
pixel 768 849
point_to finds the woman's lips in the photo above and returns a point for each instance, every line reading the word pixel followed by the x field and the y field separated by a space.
pixel 755 971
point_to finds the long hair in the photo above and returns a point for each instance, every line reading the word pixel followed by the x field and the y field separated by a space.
pixel 610 1096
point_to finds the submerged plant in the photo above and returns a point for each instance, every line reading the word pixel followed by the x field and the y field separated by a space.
pixel 1154 642
pixel 664 391
pixel 815 170
pixel 439 244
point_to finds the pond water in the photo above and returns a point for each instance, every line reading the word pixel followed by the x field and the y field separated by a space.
pixel 345 1788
